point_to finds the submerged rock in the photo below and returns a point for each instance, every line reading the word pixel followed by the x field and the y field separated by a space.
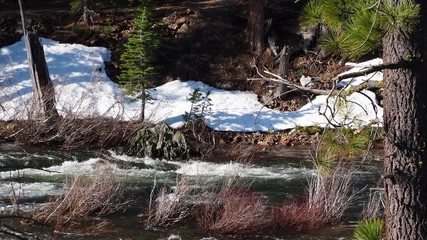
pixel 159 141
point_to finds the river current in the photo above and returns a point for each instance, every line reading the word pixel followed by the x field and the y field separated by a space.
pixel 279 174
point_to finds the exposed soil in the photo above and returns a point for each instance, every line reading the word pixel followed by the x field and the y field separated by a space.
pixel 202 40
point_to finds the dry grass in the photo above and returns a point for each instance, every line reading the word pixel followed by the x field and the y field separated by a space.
pixel 332 192
pixel 171 206
pixel 72 132
pixel 69 130
pixel 84 199
pixel 374 208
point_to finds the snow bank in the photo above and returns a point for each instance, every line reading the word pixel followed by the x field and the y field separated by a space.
pixel 83 90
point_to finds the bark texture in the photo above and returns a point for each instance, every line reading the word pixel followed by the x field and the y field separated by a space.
pixel 85 6
pixel 255 28
pixel 45 88
pixel 405 125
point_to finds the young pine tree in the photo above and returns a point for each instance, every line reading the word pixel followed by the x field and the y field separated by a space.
pixel 138 68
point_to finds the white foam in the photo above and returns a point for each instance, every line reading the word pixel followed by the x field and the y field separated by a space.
pixel 146 160
pixel 197 168
pixel 20 190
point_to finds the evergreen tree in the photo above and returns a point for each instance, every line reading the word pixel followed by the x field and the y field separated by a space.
pixel 405 125
pixel 354 28
pixel 401 25
pixel 138 68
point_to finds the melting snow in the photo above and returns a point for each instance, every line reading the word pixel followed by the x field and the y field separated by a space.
pixel 83 90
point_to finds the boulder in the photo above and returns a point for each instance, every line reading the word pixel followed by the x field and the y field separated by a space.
pixel 159 141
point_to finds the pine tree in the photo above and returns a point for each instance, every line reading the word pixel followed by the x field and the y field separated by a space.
pixel 138 68
pixel 354 28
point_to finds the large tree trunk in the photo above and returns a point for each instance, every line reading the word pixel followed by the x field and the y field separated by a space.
pixel 405 125
pixel 255 29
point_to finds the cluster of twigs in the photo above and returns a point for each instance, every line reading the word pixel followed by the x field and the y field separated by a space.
pixel 235 211
pixel 72 132
pixel 85 198
pixel 170 206
pixel 331 110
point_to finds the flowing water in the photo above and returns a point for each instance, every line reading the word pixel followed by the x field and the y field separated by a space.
pixel 279 174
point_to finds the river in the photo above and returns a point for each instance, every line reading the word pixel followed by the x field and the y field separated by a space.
pixel 279 174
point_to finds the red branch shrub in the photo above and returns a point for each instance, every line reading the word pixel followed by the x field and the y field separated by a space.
pixel 297 216
pixel 236 211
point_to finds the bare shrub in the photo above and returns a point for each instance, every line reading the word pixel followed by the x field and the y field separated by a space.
pixel 171 206
pixel 297 216
pixel 84 198
pixel 332 192
pixel 99 132
pixel 201 138
pixel 329 196
pixel 73 132
pixel 236 211
pixel 374 208
pixel 231 210
pixel 242 153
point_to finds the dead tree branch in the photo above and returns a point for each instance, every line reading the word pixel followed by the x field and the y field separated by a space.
pixel 275 78
pixel 334 91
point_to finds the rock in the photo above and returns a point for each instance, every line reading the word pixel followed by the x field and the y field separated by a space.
pixel 305 80
pixel 181 20
pixel 159 141
pixel 184 28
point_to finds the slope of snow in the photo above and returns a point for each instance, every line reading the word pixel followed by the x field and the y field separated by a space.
pixel 83 90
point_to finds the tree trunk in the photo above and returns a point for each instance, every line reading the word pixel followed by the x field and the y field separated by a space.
pixel 46 89
pixel 85 6
pixel 143 100
pixel 43 90
pixel 255 29
pixel 405 126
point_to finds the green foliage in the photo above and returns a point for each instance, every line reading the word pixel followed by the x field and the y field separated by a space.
pixel 300 72
pixel 355 28
pixel 107 29
pixel 370 229
pixel 138 65
pixel 200 107
pixel 345 142
pixel 78 29
pixel 325 161
pixel 330 42
pixel 312 13
pixel 401 18
pixel 309 130
pixel 340 143
pixel 75 6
